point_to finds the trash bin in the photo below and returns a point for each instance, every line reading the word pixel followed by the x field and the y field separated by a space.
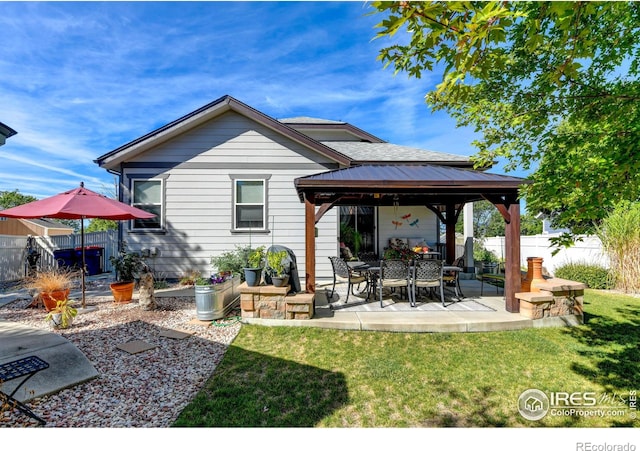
pixel 66 258
pixel 92 258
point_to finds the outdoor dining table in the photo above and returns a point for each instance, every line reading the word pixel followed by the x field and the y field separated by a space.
pixel 369 274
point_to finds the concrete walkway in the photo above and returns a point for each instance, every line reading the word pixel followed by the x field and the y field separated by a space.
pixel 68 366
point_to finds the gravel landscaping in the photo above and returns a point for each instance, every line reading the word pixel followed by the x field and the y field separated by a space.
pixel 147 389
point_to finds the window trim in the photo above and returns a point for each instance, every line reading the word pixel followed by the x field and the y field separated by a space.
pixel 141 178
pixel 264 178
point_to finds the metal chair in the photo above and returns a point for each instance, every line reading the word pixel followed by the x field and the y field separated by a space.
pixel 394 273
pixel 342 273
pixel 452 277
pixel 370 258
pixel 427 274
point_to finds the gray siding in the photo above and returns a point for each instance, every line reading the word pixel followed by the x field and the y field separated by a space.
pixel 198 195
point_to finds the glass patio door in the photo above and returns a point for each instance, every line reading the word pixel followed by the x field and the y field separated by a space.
pixel 358 228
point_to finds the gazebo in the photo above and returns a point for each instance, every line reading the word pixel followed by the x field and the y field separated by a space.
pixel 442 189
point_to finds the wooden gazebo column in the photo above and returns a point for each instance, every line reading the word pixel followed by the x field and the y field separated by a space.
pixel 512 280
pixel 310 242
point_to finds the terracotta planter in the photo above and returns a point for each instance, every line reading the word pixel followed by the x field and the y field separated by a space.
pixel 50 299
pixel 534 275
pixel 122 292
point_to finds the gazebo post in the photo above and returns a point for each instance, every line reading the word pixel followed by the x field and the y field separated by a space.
pixel 310 242
pixel 512 266
pixel 450 233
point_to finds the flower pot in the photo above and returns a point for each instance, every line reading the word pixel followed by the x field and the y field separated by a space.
pixel 50 299
pixel 56 321
pixel 253 276
pixel 280 281
pixel 122 292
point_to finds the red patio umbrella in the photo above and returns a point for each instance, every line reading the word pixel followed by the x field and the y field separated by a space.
pixel 79 203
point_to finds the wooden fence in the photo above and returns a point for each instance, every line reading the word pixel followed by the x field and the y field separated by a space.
pixel 13 251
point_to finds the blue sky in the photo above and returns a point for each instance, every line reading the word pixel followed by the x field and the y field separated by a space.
pixel 80 79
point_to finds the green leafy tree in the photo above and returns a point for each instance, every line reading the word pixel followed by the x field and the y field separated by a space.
pixel 101 225
pixel 550 86
pixel 9 199
pixel 487 221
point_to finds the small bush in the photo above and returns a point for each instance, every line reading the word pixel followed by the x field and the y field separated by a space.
pixel 593 276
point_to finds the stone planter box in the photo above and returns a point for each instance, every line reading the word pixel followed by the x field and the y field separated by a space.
pixel 271 302
pixel 556 298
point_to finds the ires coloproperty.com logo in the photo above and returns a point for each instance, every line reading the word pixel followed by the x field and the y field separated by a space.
pixel 534 404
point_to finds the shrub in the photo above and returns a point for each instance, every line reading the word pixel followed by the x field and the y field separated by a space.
pixel 593 276
pixel 482 254
pixel 620 236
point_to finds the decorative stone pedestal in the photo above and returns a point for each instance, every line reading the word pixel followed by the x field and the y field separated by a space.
pixel 270 302
pixel 556 297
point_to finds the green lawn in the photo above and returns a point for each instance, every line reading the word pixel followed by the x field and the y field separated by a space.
pixel 305 377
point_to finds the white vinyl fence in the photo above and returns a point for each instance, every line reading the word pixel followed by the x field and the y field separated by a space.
pixel 589 250
pixel 13 251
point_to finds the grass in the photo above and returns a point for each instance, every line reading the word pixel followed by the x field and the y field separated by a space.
pixel 305 377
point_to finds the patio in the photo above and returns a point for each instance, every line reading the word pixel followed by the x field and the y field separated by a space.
pixel 474 314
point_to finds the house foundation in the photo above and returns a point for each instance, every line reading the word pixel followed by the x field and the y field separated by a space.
pixel 270 302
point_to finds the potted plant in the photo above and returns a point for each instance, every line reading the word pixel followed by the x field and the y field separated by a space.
pixel 127 266
pixel 51 286
pixel 61 316
pixel 231 262
pixel 253 270
pixel 276 268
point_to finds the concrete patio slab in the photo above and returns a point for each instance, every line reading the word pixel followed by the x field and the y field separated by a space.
pixel 68 366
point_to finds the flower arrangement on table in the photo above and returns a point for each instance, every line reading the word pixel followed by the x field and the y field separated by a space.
pixel 400 251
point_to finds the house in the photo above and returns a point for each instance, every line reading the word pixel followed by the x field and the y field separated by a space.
pixel 5 132
pixel 228 174
pixel 35 227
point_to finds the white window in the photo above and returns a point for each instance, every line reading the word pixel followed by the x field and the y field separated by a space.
pixel 147 195
pixel 249 204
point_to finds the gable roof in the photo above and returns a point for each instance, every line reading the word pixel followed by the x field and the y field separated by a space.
pixel 48 223
pixel 310 123
pixel 386 153
pixel 369 148
pixel 6 132
pixel 111 160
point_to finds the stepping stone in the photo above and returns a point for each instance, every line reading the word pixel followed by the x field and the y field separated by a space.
pixel 136 346
pixel 176 334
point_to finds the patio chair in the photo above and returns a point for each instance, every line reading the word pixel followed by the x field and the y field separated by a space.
pixel 370 258
pixel 394 273
pixel 452 277
pixel 427 274
pixel 343 273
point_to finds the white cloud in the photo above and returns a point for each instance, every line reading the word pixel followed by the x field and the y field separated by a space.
pixel 82 78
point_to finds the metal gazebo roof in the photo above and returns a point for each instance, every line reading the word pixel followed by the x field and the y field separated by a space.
pixel 410 184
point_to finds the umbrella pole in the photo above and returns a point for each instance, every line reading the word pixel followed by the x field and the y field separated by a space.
pixel 83 259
